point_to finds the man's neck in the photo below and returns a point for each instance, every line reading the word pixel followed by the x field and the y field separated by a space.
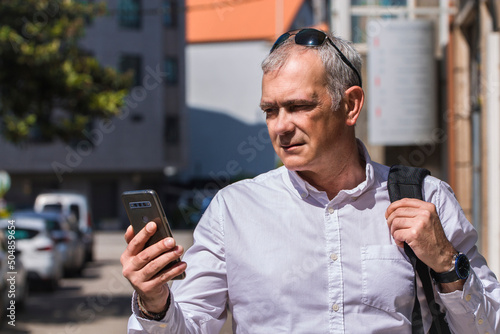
pixel 332 180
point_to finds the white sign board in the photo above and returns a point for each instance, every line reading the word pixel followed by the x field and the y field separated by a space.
pixel 402 82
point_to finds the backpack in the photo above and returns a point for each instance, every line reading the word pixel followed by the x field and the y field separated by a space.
pixel 406 182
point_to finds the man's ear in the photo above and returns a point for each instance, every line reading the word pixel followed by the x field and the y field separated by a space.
pixel 354 98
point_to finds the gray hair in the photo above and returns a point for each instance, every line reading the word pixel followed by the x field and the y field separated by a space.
pixel 339 76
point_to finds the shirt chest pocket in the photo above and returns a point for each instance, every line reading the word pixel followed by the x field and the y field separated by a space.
pixel 387 279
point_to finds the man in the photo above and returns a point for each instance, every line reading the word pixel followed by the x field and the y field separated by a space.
pixel 314 246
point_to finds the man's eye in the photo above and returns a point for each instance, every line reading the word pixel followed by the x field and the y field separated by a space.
pixel 300 107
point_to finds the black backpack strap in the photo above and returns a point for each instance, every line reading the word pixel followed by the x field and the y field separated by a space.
pixel 406 182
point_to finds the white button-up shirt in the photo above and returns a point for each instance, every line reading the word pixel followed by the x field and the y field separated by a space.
pixel 286 259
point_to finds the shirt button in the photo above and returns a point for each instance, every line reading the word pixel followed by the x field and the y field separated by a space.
pixel 335 307
pixel 480 321
pixel 162 325
pixel 468 297
pixel 303 195
pixel 330 210
pixel 334 257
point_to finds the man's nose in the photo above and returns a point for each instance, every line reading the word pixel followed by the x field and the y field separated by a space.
pixel 283 122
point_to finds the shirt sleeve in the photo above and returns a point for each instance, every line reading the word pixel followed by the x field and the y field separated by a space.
pixel 476 309
pixel 198 303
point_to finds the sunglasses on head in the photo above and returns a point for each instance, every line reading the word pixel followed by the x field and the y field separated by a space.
pixel 314 37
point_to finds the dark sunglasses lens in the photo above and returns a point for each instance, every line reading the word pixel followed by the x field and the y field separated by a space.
pixel 310 37
pixel 280 40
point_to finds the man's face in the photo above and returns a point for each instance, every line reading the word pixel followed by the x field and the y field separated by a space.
pixel 306 133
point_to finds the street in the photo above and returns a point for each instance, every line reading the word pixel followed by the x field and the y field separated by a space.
pixel 97 302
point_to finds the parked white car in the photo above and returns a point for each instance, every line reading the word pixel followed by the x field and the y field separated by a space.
pixel 67 237
pixel 75 206
pixel 37 241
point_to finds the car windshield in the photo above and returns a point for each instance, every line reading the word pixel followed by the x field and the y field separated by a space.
pixel 21 234
pixel 52 225
pixel 52 208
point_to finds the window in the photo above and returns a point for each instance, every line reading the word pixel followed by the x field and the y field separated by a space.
pixel 170 13
pixel 53 208
pixel 172 130
pixel 132 63
pixel 129 14
pixel 75 210
pixel 172 70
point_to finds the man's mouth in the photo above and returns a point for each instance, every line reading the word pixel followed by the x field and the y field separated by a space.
pixel 290 146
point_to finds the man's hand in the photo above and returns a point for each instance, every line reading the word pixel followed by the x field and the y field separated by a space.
pixel 143 267
pixel 417 223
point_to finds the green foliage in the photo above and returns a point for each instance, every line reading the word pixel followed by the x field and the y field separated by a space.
pixel 49 87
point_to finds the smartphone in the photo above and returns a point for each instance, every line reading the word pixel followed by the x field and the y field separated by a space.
pixel 143 206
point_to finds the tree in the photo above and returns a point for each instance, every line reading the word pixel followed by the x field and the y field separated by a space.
pixel 50 88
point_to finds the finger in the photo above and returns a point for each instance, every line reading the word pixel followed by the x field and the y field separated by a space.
pixel 176 270
pixel 398 224
pixel 141 268
pixel 171 273
pixel 176 267
pixel 399 238
pixel 156 256
pixel 137 243
pixel 405 214
pixel 129 234
pixel 162 278
pixel 418 218
pixel 134 244
pixel 404 202
pixel 150 268
pixel 401 218
pixel 403 224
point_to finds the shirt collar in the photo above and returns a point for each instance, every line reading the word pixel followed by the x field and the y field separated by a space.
pixel 303 189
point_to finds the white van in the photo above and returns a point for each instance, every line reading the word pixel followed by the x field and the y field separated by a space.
pixel 72 205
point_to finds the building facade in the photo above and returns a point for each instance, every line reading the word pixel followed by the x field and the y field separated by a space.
pixel 226 43
pixel 142 147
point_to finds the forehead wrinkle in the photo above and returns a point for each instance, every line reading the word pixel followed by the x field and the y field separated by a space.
pixel 312 100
